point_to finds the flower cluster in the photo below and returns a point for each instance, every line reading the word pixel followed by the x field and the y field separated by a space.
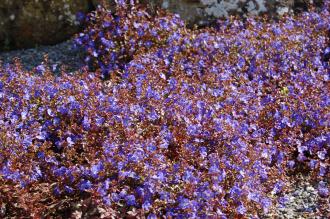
pixel 146 143
pixel 199 123
pixel 286 63
pixel 111 39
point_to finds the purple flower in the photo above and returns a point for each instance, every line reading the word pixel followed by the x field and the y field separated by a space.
pixel 253 196
pixel 130 200
pixel 323 169
pixel 70 141
pixel 151 148
pixel 107 200
pixel 100 121
pixel 96 168
pixel 184 203
pixel 322 154
pixel 278 187
pixel 120 2
pixel 106 24
pixel 283 200
pixel 68 189
pixel 313 163
pixel 107 43
pixel 86 123
pixel 85 185
pixel 241 209
pixel 266 203
pixel 50 113
pixel 323 189
pixel 41 155
pixel 146 206
pixel 27 141
pixel 291 164
pixel 56 191
pixel 327 51
pixel 152 216
pixel 60 171
pixel 41 69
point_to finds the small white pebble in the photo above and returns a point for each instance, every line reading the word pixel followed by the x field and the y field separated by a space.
pixel 12 17
pixel 310 189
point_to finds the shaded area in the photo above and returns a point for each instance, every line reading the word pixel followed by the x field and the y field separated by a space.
pixel 63 54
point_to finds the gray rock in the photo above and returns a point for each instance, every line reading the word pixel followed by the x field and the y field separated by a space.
pixel 205 11
pixel 26 23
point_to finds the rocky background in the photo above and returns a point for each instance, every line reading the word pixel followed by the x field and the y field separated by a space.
pixel 204 11
pixel 27 23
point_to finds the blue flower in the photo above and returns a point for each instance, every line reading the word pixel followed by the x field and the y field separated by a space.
pixel 323 189
pixel 41 155
pixel 146 206
pixel 86 123
pixel 68 189
pixel 151 147
pixel 85 185
pixel 278 187
pixel 323 169
pixel 130 200
pixel 291 164
pixel 62 109
pixel 108 43
pixel 254 196
pixel 60 171
pixel 41 69
pixel 322 154
pixel 56 191
pixel 50 112
pixel 106 200
pixel 241 62
pixel 313 163
pixel 106 24
pixel 152 216
pixel 96 168
pixel 192 130
pixel 188 176
pixel 100 121
pixel 184 203
pixel 327 51
pixel 153 115
pixel 235 191
pixel 265 203
pixel 241 209
pixel 283 200
pixel 27 141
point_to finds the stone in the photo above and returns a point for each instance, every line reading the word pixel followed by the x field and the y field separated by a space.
pixel 203 12
pixel 26 23
pixel 310 189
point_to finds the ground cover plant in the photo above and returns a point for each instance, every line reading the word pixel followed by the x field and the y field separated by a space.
pixel 169 121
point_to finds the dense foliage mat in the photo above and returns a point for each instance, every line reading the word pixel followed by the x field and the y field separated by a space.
pixel 188 123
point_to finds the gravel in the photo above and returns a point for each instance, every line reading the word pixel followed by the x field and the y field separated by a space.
pixel 62 54
pixel 303 202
